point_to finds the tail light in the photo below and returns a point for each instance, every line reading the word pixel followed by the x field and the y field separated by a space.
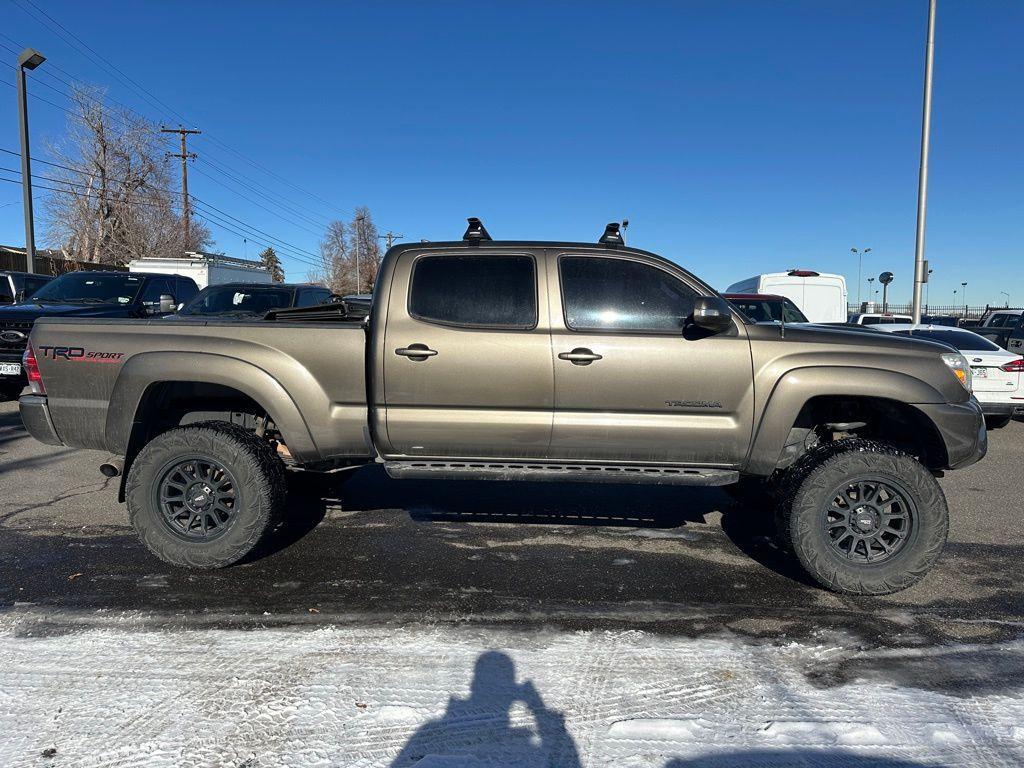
pixel 1014 366
pixel 35 378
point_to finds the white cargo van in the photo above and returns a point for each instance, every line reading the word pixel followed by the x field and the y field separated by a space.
pixel 820 296
pixel 205 268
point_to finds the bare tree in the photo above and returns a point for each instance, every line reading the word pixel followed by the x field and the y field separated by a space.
pixel 363 232
pixel 114 198
pixel 333 268
pixel 340 257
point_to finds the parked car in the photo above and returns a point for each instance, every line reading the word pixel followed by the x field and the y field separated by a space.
pixel 996 373
pixel 879 318
pixel 764 308
pixel 944 320
pixel 998 326
pixel 521 361
pixel 79 295
pixel 821 297
pixel 241 301
pixel 18 286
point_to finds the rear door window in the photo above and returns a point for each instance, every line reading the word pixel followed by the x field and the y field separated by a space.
pixel 475 291
pixel 618 295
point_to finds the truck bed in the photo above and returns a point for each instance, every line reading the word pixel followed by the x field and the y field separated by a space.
pixel 309 377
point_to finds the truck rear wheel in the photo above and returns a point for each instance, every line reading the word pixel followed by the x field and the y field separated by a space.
pixel 205 495
pixel 864 518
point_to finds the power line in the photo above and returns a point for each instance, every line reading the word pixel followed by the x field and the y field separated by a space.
pixel 192 198
pixel 161 106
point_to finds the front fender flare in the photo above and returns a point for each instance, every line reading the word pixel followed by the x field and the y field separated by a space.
pixel 796 387
pixel 149 368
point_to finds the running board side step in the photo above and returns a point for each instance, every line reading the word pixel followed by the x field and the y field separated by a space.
pixel 653 474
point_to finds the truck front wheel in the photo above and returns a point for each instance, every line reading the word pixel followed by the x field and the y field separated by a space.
pixel 205 495
pixel 864 518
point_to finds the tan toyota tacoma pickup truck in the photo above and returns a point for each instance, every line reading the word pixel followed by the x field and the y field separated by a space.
pixel 519 360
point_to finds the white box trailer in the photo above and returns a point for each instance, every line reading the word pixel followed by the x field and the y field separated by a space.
pixel 820 296
pixel 205 268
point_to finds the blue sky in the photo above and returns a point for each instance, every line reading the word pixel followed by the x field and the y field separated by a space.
pixel 737 137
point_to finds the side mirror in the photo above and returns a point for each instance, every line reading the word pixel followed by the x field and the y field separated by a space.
pixel 167 303
pixel 712 313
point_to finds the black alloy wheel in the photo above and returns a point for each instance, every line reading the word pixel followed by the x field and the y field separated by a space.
pixel 869 520
pixel 198 497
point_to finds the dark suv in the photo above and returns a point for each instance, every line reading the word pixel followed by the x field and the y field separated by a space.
pixel 248 301
pixel 85 294
pixel 17 286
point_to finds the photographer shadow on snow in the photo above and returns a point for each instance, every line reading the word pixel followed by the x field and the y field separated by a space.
pixel 484 725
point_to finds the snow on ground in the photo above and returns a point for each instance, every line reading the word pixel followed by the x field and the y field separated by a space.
pixel 112 695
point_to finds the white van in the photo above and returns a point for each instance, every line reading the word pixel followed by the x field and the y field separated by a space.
pixel 205 268
pixel 820 296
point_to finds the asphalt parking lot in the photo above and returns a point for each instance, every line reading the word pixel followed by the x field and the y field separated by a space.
pixel 371 550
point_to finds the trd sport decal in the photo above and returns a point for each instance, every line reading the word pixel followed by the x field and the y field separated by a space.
pixel 79 354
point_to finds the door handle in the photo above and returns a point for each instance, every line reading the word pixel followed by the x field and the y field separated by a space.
pixel 579 356
pixel 416 352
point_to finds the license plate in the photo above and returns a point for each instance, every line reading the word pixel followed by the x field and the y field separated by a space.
pixel 10 369
pixel 979 373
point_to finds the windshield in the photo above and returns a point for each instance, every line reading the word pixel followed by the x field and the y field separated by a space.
pixel 768 310
pixel 964 340
pixel 238 300
pixel 90 288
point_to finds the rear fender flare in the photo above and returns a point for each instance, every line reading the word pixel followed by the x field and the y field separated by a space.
pixel 795 388
pixel 149 368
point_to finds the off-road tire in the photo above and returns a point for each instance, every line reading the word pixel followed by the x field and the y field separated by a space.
pixel 997 422
pixel 259 475
pixel 805 496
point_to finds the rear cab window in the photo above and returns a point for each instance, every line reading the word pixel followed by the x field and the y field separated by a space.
pixel 478 291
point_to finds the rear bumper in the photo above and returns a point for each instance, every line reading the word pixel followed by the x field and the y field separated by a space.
pixel 962 429
pixel 1004 408
pixel 35 415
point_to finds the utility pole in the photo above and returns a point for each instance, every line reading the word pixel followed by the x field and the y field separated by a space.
pixel 28 59
pixel 186 209
pixel 390 238
pixel 920 265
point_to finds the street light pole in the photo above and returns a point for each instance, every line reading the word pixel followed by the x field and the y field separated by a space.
pixel 1007 297
pixel 860 264
pixel 359 283
pixel 928 290
pixel 963 296
pixel 29 59
pixel 920 267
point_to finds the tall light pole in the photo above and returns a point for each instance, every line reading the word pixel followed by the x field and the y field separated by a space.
pixel 928 290
pixel 29 59
pixel 359 282
pixel 963 297
pixel 871 285
pixel 860 263
pixel 1007 297
pixel 920 265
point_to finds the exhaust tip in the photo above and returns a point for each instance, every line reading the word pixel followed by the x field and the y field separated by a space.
pixel 111 468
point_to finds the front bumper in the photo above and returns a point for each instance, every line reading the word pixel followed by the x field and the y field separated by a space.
pixel 35 415
pixel 7 356
pixel 962 429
